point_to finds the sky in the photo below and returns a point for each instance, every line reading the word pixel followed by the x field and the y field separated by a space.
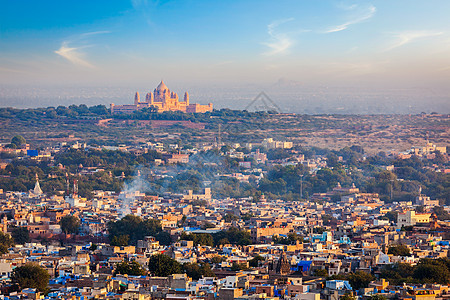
pixel 204 44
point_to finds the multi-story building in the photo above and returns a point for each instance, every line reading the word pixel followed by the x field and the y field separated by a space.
pixel 410 218
pixel 426 201
pixel 162 99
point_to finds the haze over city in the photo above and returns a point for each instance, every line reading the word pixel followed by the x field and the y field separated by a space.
pixel 224 150
pixel 308 56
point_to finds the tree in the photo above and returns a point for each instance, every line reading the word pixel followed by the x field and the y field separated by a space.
pixel 333 161
pixel 21 235
pixel 238 267
pixel 18 141
pixel 360 279
pixel 233 235
pixel 31 276
pixel 378 297
pixel 163 238
pixel 129 268
pixel 183 220
pixel 426 271
pixel 120 240
pixel 328 219
pixel 433 270
pixel 69 224
pixel 319 230
pixel 392 216
pixel 290 239
pixel 441 213
pixel 136 229
pixel 6 242
pixel 93 247
pixel 216 259
pixel 162 265
pixel 420 209
pixel 230 217
pixel 397 273
pixel 320 272
pixel 399 250
pixel 196 271
pixel 432 273
pixel 198 238
pixel 347 296
pixel 254 262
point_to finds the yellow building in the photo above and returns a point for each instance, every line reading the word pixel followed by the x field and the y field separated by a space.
pixel 164 100
pixel 410 218
pixel 429 148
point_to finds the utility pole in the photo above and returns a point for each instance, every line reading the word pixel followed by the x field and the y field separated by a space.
pixel 67 185
pixel 392 188
pixel 219 140
pixel 301 186
pixel 75 188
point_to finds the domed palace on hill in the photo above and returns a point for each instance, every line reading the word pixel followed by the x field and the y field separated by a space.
pixel 164 100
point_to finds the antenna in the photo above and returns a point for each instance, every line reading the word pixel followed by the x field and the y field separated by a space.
pixel 301 186
pixel 75 188
pixel 219 142
pixel 67 184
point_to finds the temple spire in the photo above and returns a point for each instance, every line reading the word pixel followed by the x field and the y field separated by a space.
pixel 37 188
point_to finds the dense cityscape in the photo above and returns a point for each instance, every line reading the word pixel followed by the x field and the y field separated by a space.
pixel 221 150
pixel 211 218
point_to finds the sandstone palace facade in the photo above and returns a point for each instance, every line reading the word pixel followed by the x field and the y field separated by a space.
pixel 163 99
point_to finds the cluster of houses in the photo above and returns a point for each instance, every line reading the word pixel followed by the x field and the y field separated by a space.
pixel 300 245
pixel 337 238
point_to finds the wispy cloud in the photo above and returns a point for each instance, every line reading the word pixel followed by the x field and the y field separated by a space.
pixel 279 42
pixel 87 34
pixel 364 15
pixel 73 55
pixel 407 37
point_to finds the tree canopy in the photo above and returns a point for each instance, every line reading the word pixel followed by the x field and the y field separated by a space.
pixel 232 235
pixel 69 224
pixel 197 271
pixel 31 276
pixel 130 229
pixel 20 234
pixel 163 265
pixel 254 262
pixel 399 250
pixel 198 238
pixel 18 141
pixel 426 271
pixel 6 241
pixel 360 279
pixel 129 268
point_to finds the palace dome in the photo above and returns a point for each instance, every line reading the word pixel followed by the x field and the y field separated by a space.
pixel 162 87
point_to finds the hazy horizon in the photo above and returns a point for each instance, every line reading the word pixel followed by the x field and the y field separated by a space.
pixel 286 98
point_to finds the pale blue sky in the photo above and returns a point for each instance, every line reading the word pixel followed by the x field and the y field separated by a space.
pixel 377 43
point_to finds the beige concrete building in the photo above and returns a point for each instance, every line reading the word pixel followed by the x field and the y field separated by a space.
pixel 410 218
pixel 258 233
pixel 427 149
pixel 162 99
pixel 426 201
